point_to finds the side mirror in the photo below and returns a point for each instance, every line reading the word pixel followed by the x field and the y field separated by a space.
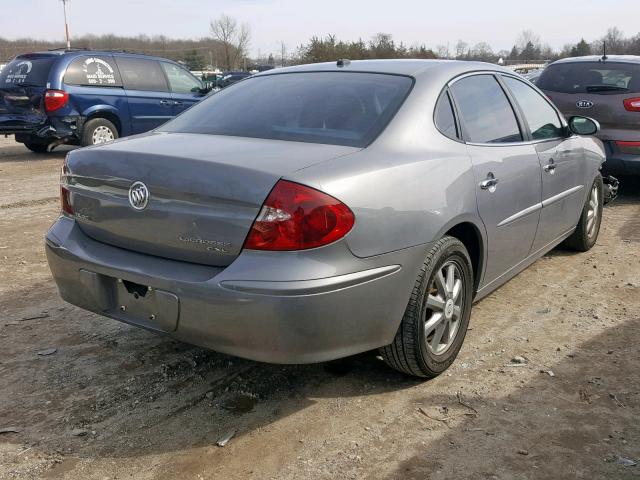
pixel 583 125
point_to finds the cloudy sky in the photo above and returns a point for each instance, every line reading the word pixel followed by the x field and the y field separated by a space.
pixel 295 21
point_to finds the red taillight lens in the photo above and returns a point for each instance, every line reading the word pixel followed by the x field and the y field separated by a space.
pixel 297 217
pixel 632 148
pixel 55 100
pixel 65 201
pixel 632 104
pixel 65 194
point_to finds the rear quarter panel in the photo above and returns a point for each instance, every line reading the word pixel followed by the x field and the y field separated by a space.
pixel 407 188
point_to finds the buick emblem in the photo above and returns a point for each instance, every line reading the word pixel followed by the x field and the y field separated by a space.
pixel 584 104
pixel 139 196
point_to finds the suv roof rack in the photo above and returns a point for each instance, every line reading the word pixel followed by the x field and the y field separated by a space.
pixel 73 49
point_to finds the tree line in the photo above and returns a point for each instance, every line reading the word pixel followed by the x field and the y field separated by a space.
pixel 227 48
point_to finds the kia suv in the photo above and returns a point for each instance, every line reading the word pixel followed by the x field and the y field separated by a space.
pixel 82 97
pixel 607 89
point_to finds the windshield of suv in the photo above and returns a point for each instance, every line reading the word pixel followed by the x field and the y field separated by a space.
pixel 339 108
pixel 591 77
pixel 26 70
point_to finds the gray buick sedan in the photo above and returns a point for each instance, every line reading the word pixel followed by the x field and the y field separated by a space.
pixel 314 212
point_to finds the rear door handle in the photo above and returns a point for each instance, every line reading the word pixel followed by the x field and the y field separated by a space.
pixel 550 167
pixel 177 103
pixel 489 183
pixel 165 102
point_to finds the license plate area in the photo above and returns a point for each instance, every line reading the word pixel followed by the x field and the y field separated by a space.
pixel 133 302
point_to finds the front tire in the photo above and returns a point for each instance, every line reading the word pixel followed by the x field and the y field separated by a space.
pixel 586 233
pixel 436 319
pixel 97 131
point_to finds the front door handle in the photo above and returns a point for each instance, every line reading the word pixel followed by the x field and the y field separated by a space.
pixel 489 183
pixel 550 167
pixel 177 103
pixel 166 103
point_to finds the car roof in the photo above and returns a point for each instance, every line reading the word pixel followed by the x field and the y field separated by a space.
pixel 410 67
pixel 598 58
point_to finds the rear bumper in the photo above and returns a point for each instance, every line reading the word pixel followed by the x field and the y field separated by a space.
pixel 619 163
pixel 278 307
pixel 52 128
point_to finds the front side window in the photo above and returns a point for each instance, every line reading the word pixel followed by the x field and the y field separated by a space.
pixel 95 71
pixel 141 74
pixel 180 80
pixel 444 117
pixel 339 108
pixel 485 111
pixel 543 120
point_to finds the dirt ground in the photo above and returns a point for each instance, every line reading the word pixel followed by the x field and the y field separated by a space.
pixel 117 402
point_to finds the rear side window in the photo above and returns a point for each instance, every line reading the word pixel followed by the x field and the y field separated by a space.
pixel 141 74
pixel 543 120
pixel 486 113
pixel 180 80
pixel 444 117
pixel 591 77
pixel 27 70
pixel 95 71
pixel 339 108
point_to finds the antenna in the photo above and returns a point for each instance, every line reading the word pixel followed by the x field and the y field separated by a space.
pixel 604 51
pixel 66 25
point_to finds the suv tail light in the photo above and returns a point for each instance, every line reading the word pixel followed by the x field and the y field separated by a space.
pixel 297 217
pixel 632 104
pixel 55 100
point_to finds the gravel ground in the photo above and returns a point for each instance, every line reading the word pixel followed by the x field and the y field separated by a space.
pixel 117 402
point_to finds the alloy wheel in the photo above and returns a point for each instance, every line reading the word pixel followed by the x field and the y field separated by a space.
pixel 592 212
pixel 445 300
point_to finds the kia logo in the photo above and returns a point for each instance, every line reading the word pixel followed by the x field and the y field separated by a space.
pixel 139 196
pixel 584 104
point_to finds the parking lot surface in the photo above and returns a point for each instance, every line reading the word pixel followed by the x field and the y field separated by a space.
pixel 547 384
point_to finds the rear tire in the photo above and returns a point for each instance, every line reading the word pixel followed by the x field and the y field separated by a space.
pixel 97 131
pixel 37 147
pixel 586 233
pixel 436 319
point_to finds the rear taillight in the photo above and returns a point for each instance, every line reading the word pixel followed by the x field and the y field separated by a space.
pixel 65 194
pixel 632 148
pixel 297 217
pixel 65 200
pixel 632 104
pixel 55 100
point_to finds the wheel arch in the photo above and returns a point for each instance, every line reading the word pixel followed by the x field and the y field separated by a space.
pixel 107 112
pixel 472 234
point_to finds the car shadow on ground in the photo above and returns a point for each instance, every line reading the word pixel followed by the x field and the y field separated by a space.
pixel 123 387
pixel 17 152
pixel 115 391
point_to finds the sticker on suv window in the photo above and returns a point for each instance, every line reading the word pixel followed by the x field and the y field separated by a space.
pixel 98 72
pixel 18 73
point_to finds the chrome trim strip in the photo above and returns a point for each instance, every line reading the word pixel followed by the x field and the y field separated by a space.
pixel 560 196
pixel 309 287
pixel 520 214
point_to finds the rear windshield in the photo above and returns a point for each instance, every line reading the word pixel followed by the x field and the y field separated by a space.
pixel 591 77
pixel 28 71
pixel 339 108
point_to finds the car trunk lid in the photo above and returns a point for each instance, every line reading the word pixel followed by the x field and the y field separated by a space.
pixel 204 190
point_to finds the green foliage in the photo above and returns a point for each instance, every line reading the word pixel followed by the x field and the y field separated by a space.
pixel 194 60
pixel 382 45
